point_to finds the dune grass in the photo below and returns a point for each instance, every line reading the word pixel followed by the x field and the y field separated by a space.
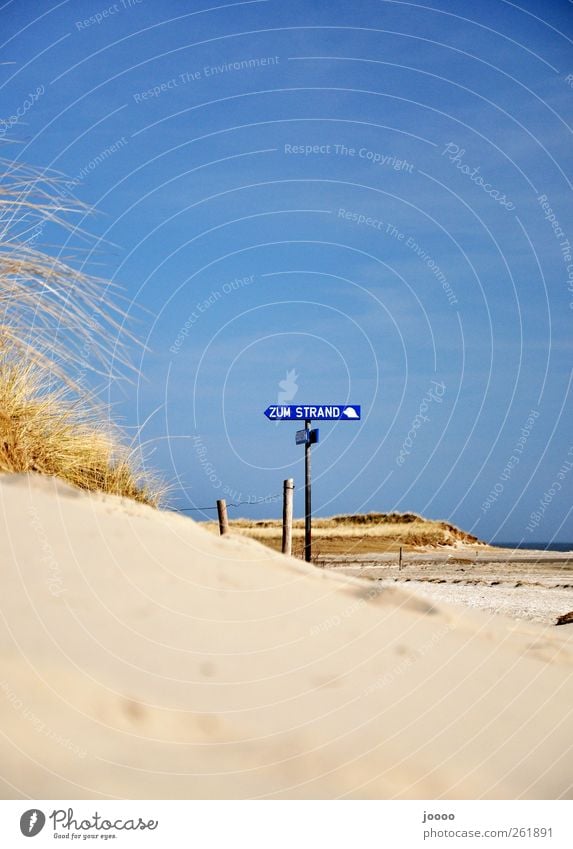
pixel 47 433
pixel 356 534
pixel 57 324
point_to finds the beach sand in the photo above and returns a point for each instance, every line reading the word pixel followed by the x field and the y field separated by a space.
pixel 143 657
pixel 524 584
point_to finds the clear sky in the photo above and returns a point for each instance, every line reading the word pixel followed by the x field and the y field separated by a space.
pixel 315 201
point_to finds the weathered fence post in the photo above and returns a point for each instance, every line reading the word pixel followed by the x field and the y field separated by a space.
pixel 288 490
pixel 223 518
pixel 400 560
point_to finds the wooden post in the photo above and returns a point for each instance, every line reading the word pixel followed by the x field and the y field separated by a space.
pixel 307 500
pixel 223 518
pixel 288 490
pixel 400 559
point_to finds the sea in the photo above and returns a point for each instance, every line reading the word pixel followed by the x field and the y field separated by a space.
pixel 537 546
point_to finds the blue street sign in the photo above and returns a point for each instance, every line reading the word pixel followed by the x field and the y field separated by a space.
pixel 301 437
pixel 308 412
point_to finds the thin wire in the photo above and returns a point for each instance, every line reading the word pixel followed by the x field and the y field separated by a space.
pixel 263 500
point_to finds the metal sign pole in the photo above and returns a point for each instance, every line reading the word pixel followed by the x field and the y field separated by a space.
pixel 307 501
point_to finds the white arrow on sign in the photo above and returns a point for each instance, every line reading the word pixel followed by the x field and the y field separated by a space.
pixel 350 413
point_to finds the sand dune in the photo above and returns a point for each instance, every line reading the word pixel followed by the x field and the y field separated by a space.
pixel 143 657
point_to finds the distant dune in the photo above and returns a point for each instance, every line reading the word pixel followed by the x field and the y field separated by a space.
pixel 143 657
pixel 362 533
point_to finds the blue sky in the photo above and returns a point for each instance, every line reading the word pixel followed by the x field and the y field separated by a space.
pixel 361 195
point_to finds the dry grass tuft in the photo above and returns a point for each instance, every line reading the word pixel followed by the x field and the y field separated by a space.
pixel 46 433
pixel 56 324
pixel 51 313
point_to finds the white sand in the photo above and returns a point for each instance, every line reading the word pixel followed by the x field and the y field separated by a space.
pixel 142 657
